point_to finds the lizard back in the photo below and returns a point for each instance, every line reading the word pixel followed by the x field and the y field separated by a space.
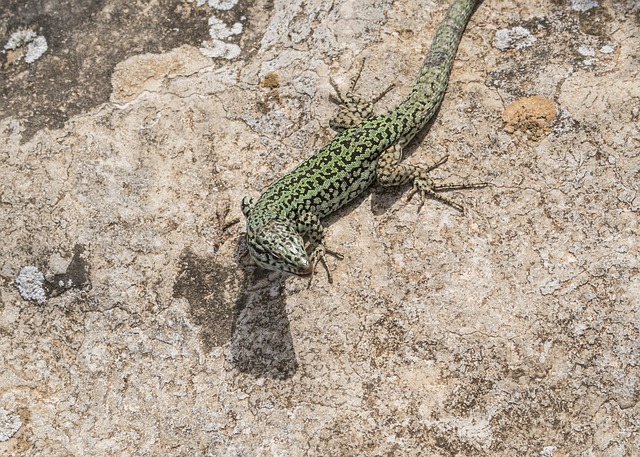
pixel 342 169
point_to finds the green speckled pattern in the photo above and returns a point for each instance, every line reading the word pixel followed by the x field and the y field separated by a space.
pixel 345 167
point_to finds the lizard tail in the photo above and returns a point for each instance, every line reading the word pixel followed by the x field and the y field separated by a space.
pixel 428 90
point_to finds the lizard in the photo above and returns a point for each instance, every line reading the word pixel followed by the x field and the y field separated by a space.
pixel 367 148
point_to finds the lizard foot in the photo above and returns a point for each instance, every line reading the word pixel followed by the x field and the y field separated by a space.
pixel 319 256
pixel 427 188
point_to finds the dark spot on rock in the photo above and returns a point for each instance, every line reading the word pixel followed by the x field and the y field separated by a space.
pixel 596 22
pixel 207 285
pixel 85 40
pixel 75 277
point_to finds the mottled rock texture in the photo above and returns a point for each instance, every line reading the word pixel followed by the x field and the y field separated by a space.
pixel 125 149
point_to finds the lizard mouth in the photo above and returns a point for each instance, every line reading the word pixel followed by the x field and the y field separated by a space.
pixel 304 273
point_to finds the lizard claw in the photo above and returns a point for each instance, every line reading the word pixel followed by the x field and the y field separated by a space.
pixel 319 256
pixel 428 189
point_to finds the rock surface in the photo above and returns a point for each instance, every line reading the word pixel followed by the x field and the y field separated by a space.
pixel 128 143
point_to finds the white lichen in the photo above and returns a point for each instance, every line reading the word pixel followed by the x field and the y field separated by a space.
pixel 583 5
pixel 220 49
pixel 36 44
pixel 586 51
pixel 30 282
pixel 607 49
pixel 10 423
pixel 218 30
pixel 513 38
pixel 19 38
pixel 222 4
pixel 216 4
pixel 36 49
pixel 217 47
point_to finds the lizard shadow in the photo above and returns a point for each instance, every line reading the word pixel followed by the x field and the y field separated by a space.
pixel 239 309
pixel 261 344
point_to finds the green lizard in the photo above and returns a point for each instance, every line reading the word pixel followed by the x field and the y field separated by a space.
pixel 369 148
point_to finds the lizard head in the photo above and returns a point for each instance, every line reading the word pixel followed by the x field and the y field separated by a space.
pixel 277 245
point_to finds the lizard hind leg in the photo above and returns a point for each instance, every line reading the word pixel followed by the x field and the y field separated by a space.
pixel 391 172
pixel 426 187
pixel 353 109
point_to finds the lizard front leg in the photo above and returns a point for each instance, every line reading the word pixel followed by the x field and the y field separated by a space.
pixel 309 225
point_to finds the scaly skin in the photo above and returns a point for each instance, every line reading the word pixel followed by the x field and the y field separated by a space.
pixel 368 148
